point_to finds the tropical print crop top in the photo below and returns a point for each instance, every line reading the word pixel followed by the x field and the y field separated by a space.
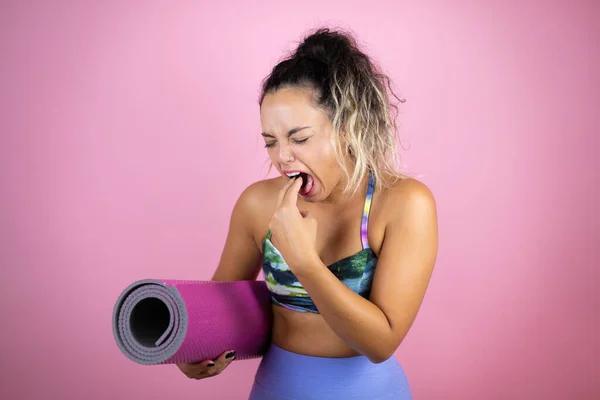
pixel 355 271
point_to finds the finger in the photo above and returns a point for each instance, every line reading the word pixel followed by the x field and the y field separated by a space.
pixel 212 368
pixel 225 358
pixel 206 364
pixel 199 369
pixel 291 196
pixel 283 191
pixel 206 373
pixel 203 373
pixel 221 363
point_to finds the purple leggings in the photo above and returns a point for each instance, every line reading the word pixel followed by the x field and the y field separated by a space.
pixel 286 375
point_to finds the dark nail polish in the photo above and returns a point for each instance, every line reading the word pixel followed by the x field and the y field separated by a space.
pixel 212 364
pixel 230 354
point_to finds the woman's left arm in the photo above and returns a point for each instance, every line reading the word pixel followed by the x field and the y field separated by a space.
pixel 376 327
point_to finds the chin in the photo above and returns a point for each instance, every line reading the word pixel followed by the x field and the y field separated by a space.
pixel 311 199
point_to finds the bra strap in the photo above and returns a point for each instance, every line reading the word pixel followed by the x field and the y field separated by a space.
pixel 366 211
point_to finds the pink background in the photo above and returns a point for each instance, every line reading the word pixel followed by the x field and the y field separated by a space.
pixel 128 129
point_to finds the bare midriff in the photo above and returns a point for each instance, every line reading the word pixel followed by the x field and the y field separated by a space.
pixel 308 334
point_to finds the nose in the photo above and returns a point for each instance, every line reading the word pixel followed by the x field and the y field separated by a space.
pixel 285 154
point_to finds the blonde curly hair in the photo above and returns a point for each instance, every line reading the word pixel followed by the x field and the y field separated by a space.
pixel 357 97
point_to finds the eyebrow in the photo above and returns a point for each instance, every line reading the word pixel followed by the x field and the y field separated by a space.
pixel 290 132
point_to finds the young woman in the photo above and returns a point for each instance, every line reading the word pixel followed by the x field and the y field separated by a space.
pixel 346 243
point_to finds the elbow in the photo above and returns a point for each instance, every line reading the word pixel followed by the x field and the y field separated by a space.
pixel 383 350
pixel 381 354
pixel 379 358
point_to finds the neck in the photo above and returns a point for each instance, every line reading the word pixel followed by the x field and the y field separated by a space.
pixel 338 198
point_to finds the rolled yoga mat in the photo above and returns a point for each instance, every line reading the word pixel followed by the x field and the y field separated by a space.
pixel 176 321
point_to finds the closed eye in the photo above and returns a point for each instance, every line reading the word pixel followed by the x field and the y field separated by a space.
pixel 296 141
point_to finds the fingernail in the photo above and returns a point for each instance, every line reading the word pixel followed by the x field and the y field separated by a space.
pixel 230 354
pixel 212 364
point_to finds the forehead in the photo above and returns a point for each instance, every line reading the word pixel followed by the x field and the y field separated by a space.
pixel 289 106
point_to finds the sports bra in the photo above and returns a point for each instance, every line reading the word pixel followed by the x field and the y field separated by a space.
pixel 355 271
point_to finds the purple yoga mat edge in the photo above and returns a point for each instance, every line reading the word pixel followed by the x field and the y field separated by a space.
pixel 206 318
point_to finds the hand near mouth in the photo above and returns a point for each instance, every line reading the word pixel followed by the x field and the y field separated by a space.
pixel 308 183
pixel 294 232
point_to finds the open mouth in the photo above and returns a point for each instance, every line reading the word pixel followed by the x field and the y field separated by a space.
pixel 308 183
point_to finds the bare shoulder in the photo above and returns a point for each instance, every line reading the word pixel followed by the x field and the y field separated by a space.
pixel 256 205
pixel 260 195
pixel 409 196
pixel 240 258
pixel 411 189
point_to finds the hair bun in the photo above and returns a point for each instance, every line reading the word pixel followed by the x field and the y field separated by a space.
pixel 325 45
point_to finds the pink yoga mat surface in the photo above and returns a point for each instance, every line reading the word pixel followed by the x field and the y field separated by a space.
pixel 176 321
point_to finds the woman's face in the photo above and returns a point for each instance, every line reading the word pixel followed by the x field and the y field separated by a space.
pixel 297 137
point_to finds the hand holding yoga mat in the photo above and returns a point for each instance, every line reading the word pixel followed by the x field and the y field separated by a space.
pixel 177 321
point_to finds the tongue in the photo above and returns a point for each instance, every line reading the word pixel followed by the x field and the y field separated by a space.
pixel 307 184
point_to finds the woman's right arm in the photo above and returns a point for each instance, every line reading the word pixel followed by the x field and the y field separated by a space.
pixel 240 258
